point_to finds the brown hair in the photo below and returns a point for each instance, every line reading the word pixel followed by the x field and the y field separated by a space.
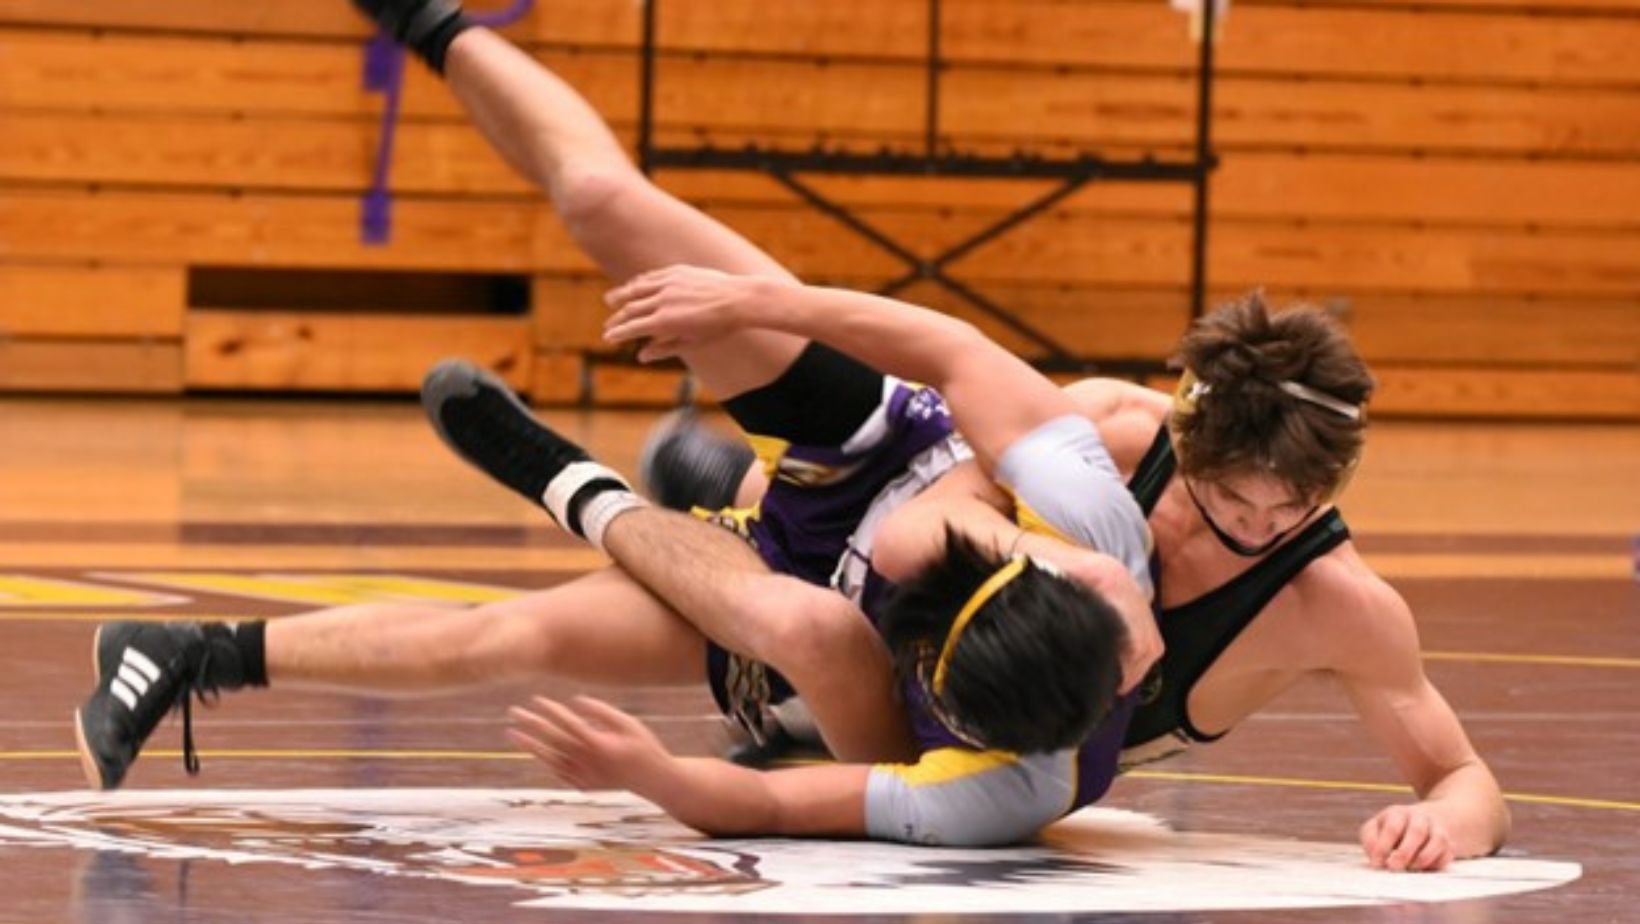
pixel 1244 421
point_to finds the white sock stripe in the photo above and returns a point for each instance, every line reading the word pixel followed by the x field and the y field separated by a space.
pixel 602 511
pixel 141 662
pixel 573 478
pixel 124 694
pixel 133 679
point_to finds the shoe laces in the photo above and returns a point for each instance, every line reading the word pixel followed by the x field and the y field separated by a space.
pixel 209 695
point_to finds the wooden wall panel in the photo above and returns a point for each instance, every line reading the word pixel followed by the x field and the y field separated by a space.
pixel 1073 249
pixel 1101 321
pixel 1547 333
pixel 269 231
pixel 98 366
pixel 1351 188
pixel 451 159
pixel 1485 42
pixel 300 351
pixel 568 311
pixel 1309 40
pixel 201 151
pixel 1508 393
pixel 797 101
pixel 86 301
pixel 1078 110
pixel 619 384
pixel 1092 321
pixel 1460 176
pixel 1433 260
pixel 557 377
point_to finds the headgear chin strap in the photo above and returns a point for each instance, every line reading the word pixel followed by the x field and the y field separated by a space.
pixel 1187 399
pixel 1236 545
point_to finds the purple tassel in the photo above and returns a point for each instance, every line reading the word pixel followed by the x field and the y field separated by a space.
pixel 384 73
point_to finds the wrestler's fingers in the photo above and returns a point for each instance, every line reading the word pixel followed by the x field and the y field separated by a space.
pixel 634 328
pixel 1411 841
pixel 560 764
pixel 656 350
pixel 640 286
pixel 1374 841
pixel 540 728
pixel 1435 854
pixel 633 310
pixel 567 722
pixel 605 715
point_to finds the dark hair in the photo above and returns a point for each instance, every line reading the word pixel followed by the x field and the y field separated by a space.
pixel 1245 422
pixel 1036 668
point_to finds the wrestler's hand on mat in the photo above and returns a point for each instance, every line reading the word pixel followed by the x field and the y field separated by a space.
pixel 588 743
pixel 681 305
pixel 1410 838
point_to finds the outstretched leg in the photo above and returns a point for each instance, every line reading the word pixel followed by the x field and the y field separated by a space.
pixel 601 628
pixel 627 225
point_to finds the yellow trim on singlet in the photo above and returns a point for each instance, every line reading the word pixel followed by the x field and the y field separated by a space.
pixel 942 765
pixel 735 519
pixel 1033 522
pixel 769 450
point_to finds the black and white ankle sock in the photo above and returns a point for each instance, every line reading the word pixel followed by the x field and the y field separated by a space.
pixel 586 497
pixel 238 654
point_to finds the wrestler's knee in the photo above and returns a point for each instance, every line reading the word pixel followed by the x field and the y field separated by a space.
pixel 505 639
pixel 814 635
pixel 588 199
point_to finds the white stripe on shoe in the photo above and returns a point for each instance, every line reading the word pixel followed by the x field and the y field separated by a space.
pixel 142 663
pixel 123 694
pixel 132 679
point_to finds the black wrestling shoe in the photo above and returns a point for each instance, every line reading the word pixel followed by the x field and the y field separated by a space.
pixel 411 21
pixel 144 670
pixel 479 417
pixel 426 27
pixel 685 464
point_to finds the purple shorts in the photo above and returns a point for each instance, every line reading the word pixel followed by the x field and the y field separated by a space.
pixel 816 499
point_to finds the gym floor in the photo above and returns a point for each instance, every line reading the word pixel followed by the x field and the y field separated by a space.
pixel 1514 543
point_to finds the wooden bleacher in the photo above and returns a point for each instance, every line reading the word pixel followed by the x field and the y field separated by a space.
pixel 1461 179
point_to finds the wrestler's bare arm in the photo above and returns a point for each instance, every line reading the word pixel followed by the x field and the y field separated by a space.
pixel 683 305
pixel 957 798
pixel 592 745
pixel 1375 654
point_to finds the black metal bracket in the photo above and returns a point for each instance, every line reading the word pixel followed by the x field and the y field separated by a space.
pixel 1073 173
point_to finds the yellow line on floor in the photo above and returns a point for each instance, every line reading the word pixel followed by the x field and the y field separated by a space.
pixel 291 754
pixel 48 616
pixel 1293 783
pixel 1162 775
pixel 111 555
pixel 1567 660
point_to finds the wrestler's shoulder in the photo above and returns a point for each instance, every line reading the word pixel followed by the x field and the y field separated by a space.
pixel 1340 586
